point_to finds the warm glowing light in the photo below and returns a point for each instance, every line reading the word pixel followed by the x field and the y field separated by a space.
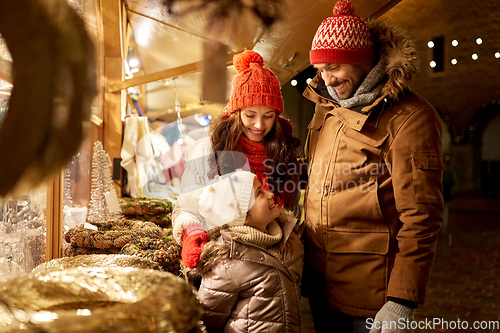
pixel 293 83
pixel 309 80
pixel 430 44
pixel 142 36
pixel 432 64
pixel 133 63
pixel 497 55
pixel 474 56
pixel 83 312
pixel 43 316
pixel 453 61
pixel 454 42
pixel 479 41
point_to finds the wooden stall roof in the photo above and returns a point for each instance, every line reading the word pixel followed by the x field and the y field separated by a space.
pixel 170 46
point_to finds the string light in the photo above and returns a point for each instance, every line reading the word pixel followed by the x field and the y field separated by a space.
pixel 454 42
pixel 453 61
pixel 432 64
pixel 430 44
pixel 474 56
pixel 293 83
pixel 479 41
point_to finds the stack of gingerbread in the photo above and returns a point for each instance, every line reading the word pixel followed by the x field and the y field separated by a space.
pixel 125 236
pixel 108 237
pixel 166 252
pixel 158 211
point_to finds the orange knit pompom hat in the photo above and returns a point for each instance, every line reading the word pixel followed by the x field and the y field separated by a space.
pixel 254 85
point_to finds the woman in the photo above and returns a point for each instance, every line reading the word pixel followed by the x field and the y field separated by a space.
pixel 253 126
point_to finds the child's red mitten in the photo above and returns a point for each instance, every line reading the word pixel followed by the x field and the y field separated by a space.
pixel 193 240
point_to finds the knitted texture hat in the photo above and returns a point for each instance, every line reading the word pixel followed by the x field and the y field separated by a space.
pixel 343 38
pixel 254 85
pixel 228 199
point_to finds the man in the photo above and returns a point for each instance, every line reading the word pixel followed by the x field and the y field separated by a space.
pixel 374 198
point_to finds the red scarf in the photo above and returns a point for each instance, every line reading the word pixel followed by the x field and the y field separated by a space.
pixel 256 154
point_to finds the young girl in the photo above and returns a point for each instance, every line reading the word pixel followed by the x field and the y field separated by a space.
pixel 250 275
pixel 253 126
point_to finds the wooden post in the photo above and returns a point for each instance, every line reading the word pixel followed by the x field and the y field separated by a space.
pixel 112 23
pixel 54 218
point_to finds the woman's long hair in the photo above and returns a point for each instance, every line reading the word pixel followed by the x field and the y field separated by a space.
pixel 280 144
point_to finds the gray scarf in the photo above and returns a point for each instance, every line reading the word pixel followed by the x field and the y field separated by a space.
pixel 369 90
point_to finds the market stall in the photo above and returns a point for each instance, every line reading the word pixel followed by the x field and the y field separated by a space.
pixel 100 103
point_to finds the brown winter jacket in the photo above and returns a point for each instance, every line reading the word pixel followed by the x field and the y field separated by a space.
pixel 246 289
pixel 374 199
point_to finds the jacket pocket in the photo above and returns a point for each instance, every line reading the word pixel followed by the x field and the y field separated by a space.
pixel 371 137
pixel 427 172
pixel 359 154
pixel 364 241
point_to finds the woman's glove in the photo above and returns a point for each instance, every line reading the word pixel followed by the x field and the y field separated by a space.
pixel 393 318
pixel 193 240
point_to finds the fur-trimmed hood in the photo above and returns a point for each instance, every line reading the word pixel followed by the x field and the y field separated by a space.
pixel 401 56
pixel 400 53
pixel 219 248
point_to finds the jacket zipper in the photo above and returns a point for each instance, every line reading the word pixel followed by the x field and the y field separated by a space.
pixel 324 225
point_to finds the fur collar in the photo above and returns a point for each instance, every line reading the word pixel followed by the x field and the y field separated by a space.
pixel 218 249
pixel 401 57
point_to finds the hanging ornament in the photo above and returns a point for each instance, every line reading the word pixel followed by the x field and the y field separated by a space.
pixel 77 6
pixel 266 11
pixel 5 65
pixel 215 66
pixel 54 83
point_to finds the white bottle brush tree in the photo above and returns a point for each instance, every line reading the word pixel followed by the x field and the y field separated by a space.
pixel 103 204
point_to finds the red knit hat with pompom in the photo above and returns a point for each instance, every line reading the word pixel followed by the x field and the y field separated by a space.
pixel 254 85
pixel 343 38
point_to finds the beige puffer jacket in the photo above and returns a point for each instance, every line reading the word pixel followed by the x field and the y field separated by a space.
pixel 374 198
pixel 246 289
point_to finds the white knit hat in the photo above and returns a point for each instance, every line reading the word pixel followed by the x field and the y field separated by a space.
pixel 228 199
